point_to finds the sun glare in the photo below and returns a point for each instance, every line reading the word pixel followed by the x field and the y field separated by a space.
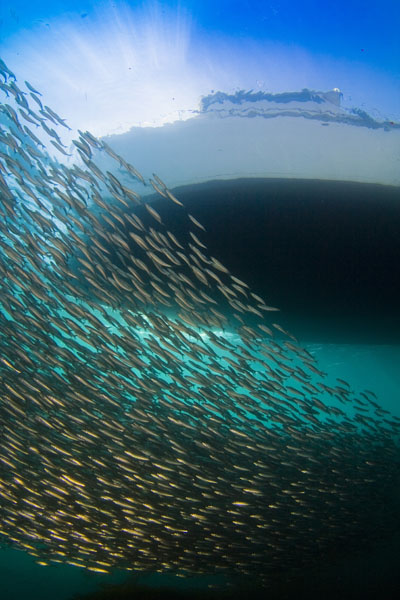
pixel 118 67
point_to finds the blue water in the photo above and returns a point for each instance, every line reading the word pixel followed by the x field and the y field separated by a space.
pixel 180 74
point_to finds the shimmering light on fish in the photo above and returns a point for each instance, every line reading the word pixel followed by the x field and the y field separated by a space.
pixel 134 434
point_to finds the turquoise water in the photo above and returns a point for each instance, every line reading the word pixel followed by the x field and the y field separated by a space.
pixel 199 330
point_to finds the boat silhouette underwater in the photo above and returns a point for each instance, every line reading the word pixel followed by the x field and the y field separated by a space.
pixel 158 415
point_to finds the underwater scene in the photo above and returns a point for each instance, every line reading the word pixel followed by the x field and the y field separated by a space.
pixel 199 300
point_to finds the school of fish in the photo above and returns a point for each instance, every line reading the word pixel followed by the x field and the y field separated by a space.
pixel 136 433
